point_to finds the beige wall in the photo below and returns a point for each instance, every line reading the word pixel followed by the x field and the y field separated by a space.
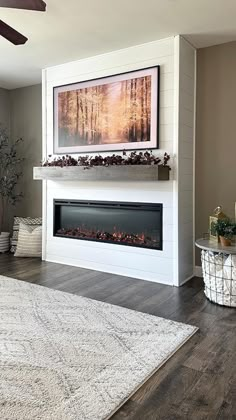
pixel 4 108
pixel 216 133
pixel 5 120
pixel 26 122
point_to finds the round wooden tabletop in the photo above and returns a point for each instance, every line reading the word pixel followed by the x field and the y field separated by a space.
pixel 211 245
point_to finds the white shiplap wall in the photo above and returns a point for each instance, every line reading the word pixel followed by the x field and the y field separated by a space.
pixel 159 266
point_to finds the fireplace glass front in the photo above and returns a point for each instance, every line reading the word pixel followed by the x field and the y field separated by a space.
pixel 122 223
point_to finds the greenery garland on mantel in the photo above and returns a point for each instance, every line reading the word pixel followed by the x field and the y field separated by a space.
pixel 132 158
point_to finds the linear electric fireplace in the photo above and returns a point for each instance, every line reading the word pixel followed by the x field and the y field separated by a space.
pixel 132 224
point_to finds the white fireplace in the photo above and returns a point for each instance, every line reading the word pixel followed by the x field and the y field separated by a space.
pixel 173 263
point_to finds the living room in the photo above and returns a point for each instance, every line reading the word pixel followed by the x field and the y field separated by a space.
pixel 118 213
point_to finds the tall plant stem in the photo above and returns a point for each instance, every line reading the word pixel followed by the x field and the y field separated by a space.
pixel 1 214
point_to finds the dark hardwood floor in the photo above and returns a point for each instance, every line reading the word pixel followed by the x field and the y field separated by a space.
pixel 199 381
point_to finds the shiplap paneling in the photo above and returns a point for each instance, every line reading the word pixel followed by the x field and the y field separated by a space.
pixel 176 129
pixel 187 57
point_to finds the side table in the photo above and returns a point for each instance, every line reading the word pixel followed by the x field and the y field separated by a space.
pixel 219 271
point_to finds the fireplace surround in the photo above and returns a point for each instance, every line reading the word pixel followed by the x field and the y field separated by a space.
pixel 120 223
pixel 173 264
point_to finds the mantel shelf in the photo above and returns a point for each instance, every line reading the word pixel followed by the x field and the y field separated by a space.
pixel 101 173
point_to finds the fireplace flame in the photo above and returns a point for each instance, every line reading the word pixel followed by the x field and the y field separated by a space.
pixel 117 236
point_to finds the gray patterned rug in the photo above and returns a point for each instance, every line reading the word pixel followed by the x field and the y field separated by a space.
pixel 65 357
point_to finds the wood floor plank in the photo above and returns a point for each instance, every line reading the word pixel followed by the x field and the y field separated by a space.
pixel 199 381
pixel 167 397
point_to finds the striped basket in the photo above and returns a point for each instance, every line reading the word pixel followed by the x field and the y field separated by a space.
pixel 4 242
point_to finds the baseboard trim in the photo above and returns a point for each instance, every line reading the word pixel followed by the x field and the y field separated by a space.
pixel 187 279
pixel 198 271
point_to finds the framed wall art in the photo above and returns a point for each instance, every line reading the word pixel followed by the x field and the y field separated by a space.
pixel 108 114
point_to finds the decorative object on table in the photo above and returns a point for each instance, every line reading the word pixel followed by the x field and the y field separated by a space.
pixel 219 272
pixel 10 172
pixel 70 357
pixel 109 113
pixel 29 241
pixel 29 221
pixel 217 215
pixel 225 229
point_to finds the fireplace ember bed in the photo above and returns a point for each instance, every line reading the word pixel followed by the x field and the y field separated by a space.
pixel 120 223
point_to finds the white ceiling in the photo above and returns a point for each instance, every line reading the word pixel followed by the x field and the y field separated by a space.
pixel 73 29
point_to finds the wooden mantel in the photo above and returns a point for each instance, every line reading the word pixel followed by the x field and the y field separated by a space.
pixel 101 173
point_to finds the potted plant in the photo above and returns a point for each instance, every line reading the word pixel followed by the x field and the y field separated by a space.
pixel 10 172
pixel 226 229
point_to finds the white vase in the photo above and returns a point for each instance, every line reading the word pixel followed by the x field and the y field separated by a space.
pixel 4 242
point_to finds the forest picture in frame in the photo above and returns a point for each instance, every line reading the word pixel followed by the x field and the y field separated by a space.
pixel 108 114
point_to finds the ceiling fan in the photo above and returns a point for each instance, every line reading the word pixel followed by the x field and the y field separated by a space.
pixel 7 31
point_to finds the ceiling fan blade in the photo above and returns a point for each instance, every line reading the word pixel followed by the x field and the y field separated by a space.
pixel 11 34
pixel 38 5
